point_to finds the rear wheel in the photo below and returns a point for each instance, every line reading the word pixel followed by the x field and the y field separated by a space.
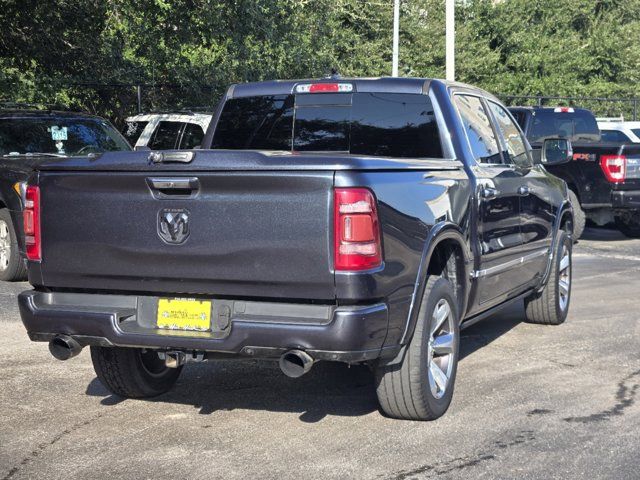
pixel 133 372
pixel 12 267
pixel 579 217
pixel 420 387
pixel 551 306
pixel 629 224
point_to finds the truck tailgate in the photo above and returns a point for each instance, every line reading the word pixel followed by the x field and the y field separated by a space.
pixel 251 233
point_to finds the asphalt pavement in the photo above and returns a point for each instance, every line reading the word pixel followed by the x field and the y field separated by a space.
pixel 530 402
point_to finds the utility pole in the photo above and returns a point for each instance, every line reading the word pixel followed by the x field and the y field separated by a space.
pixel 139 97
pixel 450 40
pixel 396 34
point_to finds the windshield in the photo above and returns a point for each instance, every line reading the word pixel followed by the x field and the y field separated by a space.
pixel 60 136
pixel 578 125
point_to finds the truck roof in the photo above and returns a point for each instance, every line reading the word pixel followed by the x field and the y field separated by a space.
pixel 378 84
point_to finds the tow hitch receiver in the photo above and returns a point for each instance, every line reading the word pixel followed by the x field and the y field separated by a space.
pixel 177 358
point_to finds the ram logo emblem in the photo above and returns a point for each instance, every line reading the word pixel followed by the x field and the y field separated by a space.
pixel 173 225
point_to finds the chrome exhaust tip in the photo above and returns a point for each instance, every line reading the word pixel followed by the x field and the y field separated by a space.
pixel 64 347
pixel 295 363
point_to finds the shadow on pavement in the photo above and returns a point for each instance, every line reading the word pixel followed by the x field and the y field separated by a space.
pixel 328 389
pixel 486 331
pixel 603 234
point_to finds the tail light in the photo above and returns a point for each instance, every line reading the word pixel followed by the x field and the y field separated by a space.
pixel 324 88
pixel 356 230
pixel 31 215
pixel 614 167
pixel 563 110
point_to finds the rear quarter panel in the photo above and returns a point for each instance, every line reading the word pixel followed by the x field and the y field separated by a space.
pixel 410 204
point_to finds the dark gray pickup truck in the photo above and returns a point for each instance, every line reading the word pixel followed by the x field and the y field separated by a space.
pixel 351 220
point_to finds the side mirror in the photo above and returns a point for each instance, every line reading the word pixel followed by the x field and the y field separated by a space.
pixel 556 151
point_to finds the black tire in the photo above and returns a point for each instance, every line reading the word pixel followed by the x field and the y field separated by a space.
pixel 12 267
pixel 133 372
pixel 629 225
pixel 404 389
pixel 579 217
pixel 551 306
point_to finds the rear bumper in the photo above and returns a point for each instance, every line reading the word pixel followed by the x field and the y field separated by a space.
pixel 626 199
pixel 254 329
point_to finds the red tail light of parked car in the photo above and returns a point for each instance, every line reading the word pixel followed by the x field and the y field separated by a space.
pixel 357 231
pixel 32 224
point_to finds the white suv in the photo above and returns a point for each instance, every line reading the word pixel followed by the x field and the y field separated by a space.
pixel 166 131
pixel 620 132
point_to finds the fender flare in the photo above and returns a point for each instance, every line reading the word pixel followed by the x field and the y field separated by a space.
pixel 565 210
pixel 437 234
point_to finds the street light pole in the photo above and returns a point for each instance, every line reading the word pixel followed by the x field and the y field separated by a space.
pixel 450 40
pixel 396 34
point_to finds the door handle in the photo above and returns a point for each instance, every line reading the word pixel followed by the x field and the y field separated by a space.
pixel 524 190
pixel 488 193
pixel 162 187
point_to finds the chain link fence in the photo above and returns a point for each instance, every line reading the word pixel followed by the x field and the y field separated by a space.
pixel 117 101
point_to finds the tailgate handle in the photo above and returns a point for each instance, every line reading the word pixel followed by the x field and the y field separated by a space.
pixel 167 157
pixel 174 185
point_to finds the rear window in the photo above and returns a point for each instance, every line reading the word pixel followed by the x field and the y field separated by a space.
pixel 579 125
pixel 133 130
pixel 614 136
pixel 377 124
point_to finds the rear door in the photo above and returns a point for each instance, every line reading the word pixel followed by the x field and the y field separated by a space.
pixel 539 194
pixel 500 238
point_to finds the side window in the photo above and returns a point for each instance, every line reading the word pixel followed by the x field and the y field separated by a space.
pixel 191 137
pixel 516 149
pixel 166 135
pixel 614 136
pixel 478 127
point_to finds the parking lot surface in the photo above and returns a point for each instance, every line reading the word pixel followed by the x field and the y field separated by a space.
pixel 530 402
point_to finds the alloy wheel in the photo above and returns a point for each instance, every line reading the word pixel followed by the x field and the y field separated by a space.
pixel 440 351
pixel 564 278
pixel 5 246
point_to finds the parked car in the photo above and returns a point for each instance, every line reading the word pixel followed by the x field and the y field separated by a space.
pixel 619 131
pixel 167 131
pixel 351 220
pixel 603 178
pixel 27 138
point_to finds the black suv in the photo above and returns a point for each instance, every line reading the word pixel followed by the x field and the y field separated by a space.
pixel 28 137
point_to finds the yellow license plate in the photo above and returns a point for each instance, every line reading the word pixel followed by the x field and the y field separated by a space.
pixel 184 314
